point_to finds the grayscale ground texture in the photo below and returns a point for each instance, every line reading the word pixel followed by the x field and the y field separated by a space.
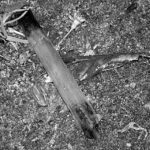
pixel 120 97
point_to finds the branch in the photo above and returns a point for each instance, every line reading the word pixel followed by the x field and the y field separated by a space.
pixel 70 92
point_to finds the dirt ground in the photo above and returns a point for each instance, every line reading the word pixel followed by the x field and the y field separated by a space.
pixel 119 96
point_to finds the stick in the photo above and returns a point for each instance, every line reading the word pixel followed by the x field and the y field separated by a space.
pixel 95 64
pixel 80 108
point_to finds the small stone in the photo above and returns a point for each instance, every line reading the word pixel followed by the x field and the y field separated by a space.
pixel 132 85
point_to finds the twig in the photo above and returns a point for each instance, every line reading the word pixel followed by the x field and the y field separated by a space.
pixel 135 126
pixel 97 63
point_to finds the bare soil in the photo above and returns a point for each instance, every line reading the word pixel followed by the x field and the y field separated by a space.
pixel 120 96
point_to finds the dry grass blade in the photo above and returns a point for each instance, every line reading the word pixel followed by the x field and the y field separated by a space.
pixel 14 20
pixel 76 21
pixel 39 95
pixel 5 22
pixel 14 39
